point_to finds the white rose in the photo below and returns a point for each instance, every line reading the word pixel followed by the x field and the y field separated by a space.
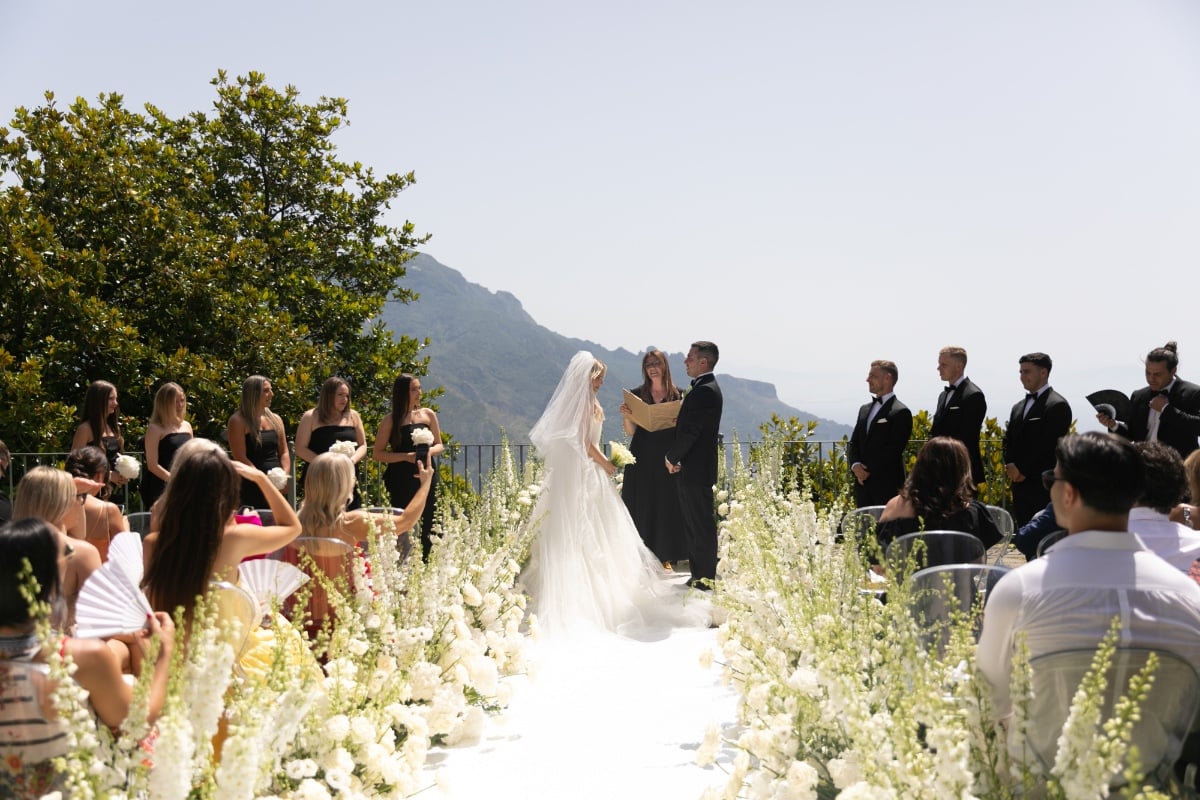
pixel 278 478
pixel 128 466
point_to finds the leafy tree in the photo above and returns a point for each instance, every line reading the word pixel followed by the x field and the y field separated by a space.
pixel 138 248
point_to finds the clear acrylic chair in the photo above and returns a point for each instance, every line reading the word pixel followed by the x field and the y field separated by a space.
pixel 327 558
pixel 1049 540
pixel 1004 522
pixel 933 548
pixel 403 538
pixel 939 595
pixel 859 523
pixel 139 521
pixel 1166 716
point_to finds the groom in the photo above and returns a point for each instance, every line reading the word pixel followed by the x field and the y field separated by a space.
pixel 693 461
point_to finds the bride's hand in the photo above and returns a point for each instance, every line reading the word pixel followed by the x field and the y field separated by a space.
pixel 610 468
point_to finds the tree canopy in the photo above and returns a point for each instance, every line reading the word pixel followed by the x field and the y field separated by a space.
pixel 140 249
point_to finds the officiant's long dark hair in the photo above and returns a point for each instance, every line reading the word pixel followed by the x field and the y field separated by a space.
pixel 673 392
pixel 401 405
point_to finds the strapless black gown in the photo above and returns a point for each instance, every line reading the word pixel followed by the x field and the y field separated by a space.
pixel 325 437
pixel 152 485
pixel 650 494
pixel 264 455
pixel 402 483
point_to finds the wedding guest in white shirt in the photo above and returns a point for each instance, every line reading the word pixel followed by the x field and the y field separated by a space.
pixel 1166 485
pixel 1067 599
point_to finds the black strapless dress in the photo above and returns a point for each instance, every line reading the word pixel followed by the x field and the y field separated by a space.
pixel 264 455
pixel 325 437
pixel 152 485
pixel 111 446
pixel 402 483
pixel 650 493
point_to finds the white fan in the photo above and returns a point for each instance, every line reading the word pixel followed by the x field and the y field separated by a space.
pixel 126 549
pixel 110 603
pixel 270 580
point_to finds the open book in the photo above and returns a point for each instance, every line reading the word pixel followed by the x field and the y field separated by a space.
pixel 652 417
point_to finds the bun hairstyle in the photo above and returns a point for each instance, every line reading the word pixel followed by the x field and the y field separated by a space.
pixel 1167 354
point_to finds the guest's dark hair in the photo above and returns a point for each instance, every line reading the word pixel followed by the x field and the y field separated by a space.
pixel 1166 479
pixel 1038 360
pixel 401 388
pixel 95 413
pixel 1167 354
pixel 708 351
pixel 23 539
pixel 940 482
pixel 84 462
pixel 664 370
pixel 1106 470
pixel 889 368
pixel 199 502
pixel 327 412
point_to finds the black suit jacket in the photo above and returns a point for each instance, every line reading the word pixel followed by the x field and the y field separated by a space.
pixel 880 448
pixel 696 432
pixel 962 418
pixel 1180 422
pixel 1029 442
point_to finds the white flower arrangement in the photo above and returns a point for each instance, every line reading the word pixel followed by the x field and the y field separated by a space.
pixel 620 456
pixel 278 478
pixel 127 466
pixel 345 448
pixel 422 436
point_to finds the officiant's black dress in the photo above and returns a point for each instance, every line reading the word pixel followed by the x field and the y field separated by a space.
pixel 325 437
pixel 402 483
pixel 649 494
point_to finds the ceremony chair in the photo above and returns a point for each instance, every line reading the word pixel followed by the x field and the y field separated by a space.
pixel 936 548
pixel 139 521
pixel 859 523
pixel 403 540
pixel 1049 540
pixel 1004 522
pixel 937 595
pixel 235 604
pixel 327 559
pixel 1165 717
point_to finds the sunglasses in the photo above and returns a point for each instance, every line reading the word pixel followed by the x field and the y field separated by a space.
pixel 1048 479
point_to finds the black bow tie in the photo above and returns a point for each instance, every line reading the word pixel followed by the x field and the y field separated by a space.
pixel 694 381
pixel 1163 392
pixel 875 399
pixel 950 388
pixel 1031 395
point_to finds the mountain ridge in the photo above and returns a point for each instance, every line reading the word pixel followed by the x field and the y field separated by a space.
pixel 498 366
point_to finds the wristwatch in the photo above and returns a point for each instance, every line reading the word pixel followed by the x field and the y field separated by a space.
pixel 1187 515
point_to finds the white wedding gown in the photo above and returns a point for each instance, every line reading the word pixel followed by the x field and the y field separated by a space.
pixel 588 568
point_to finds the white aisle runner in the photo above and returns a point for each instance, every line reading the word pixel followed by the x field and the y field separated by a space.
pixel 603 717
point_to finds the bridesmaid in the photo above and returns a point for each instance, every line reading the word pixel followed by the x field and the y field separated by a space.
pixel 257 438
pixel 101 427
pixel 166 433
pixel 331 421
pixel 649 490
pixel 394 446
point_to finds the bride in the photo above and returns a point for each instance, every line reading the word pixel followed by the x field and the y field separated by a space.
pixel 588 568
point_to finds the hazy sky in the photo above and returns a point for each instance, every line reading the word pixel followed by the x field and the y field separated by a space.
pixel 810 185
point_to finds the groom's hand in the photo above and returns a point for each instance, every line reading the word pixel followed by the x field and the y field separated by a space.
pixel 672 468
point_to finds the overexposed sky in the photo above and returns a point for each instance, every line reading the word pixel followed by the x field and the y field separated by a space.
pixel 809 184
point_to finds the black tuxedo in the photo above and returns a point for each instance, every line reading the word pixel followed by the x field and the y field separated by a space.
pixel 695 451
pixel 960 416
pixel 1180 422
pixel 880 448
pixel 1029 444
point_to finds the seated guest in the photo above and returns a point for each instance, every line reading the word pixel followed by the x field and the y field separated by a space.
pixel 1166 485
pixel 51 495
pixel 1031 533
pixel 30 734
pixel 938 496
pixel 329 488
pixel 100 520
pixel 1189 513
pixel 1067 599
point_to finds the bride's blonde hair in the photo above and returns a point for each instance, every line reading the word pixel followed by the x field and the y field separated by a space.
pixel 598 369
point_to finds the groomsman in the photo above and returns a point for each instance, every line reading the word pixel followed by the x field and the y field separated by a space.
pixel 1167 410
pixel 1034 427
pixel 693 461
pixel 961 407
pixel 876 448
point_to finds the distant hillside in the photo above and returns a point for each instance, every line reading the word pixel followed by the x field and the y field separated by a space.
pixel 498 366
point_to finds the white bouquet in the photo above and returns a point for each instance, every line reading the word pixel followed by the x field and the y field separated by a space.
pixel 128 466
pixel 344 447
pixel 422 436
pixel 620 455
pixel 278 477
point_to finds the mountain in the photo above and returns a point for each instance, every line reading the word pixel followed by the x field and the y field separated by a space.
pixel 498 366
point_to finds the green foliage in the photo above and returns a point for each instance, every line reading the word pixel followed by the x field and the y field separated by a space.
pixel 138 248
pixel 820 468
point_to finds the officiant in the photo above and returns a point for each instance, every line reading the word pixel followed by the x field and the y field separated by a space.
pixel 647 490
